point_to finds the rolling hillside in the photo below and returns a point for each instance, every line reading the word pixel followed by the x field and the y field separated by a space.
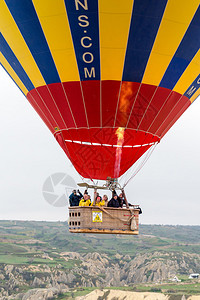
pixel 43 256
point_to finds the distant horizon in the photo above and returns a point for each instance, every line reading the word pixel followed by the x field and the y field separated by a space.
pixel 62 221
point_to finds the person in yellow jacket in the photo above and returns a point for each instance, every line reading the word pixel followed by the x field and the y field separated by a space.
pixel 85 201
pixel 99 201
pixel 105 199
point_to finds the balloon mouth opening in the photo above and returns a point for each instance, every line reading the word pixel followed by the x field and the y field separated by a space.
pixel 107 136
pixel 97 153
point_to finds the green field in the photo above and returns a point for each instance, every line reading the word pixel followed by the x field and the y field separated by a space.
pixel 29 238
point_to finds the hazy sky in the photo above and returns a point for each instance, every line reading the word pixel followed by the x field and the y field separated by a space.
pixel 167 188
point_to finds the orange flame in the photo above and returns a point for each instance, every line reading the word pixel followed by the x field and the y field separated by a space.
pixel 124 103
pixel 120 140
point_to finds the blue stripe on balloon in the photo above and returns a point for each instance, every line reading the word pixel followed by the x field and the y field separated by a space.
pixel 83 18
pixel 27 21
pixel 193 88
pixel 14 63
pixel 187 49
pixel 146 18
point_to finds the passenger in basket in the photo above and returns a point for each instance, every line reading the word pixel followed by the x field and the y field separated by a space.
pixel 99 201
pixel 114 202
pixel 105 198
pixel 122 201
pixel 74 199
pixel 85 201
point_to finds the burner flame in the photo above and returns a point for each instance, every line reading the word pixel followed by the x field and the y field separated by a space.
pixel 120 140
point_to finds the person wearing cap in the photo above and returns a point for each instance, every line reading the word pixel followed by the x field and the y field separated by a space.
pixel 74 199
pixel 114 201
pixel 99 201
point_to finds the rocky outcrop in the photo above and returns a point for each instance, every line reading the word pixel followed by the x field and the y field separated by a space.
pixel 125 295
pixel 8 269
pixel 71 255
pixel 122 295
pixel 97 270
pixel 151 267
pixel 37 282
pixel 41 294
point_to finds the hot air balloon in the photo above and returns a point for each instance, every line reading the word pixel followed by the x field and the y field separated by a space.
pixel 108 78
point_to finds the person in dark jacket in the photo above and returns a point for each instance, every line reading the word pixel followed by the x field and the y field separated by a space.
pixel 121 200
pixel 114 202
pixel 74 199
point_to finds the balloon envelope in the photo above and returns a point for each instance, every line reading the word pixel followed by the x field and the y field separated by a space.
pixel 89 67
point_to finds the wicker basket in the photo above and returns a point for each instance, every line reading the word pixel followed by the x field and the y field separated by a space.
pixel 94 219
